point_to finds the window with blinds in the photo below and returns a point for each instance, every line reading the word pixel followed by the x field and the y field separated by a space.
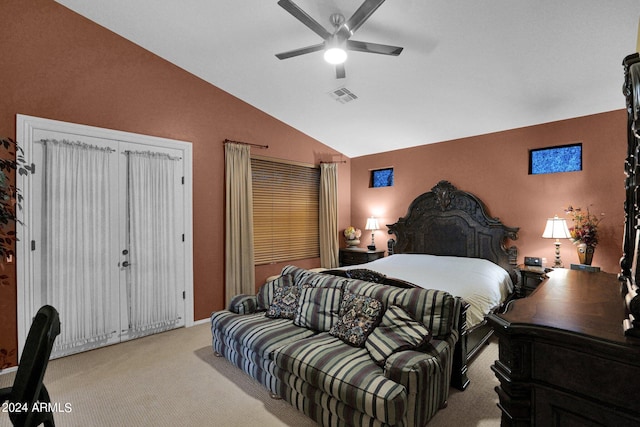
pixel 285 211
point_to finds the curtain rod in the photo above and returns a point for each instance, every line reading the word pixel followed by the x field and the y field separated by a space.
pixel 152 153
pixel 245 143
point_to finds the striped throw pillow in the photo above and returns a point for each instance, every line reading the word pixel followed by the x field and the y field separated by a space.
pixel 318 308
pixel 243 304
pixel 397 331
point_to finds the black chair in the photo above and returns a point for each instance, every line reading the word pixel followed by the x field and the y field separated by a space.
pixel 27 386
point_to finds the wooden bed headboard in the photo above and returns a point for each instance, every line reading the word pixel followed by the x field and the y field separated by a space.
pixel 630 273
pixel 448 221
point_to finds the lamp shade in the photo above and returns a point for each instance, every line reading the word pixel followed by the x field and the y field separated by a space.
pixel 556 228
pixel 372 224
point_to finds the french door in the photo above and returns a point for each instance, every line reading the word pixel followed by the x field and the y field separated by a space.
pixel 106 230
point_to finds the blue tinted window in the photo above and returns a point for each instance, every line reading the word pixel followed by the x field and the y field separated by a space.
pixel 566 158
pixel 382 178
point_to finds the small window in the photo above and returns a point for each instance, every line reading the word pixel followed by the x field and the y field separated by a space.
pixel 382 178
pixel 564 158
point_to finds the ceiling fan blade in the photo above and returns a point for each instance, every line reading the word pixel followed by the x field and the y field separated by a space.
pixel 340 72
pixel 301 51
pixel 303 17
pixel 382 49
pixel 359 17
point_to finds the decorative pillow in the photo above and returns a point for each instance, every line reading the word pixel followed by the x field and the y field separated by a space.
pixel 285 302
pixel 319 280
pixel 318 308
pixel 359 315
pixel 267 292
pixel 243 304
pixel 397 331
pixel 299 275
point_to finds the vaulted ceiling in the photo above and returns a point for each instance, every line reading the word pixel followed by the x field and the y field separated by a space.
pixel 468 67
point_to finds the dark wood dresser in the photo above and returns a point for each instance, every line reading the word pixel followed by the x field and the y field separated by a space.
pixel 564 359
pixel 354 256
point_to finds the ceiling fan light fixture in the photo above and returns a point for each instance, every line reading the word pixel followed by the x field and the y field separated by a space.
pixel 335 55
pixel 336 43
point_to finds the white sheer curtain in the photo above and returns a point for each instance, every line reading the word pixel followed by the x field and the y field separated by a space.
pixel 152 283
pixel 239 254
pixel 78 278
pixel 329 256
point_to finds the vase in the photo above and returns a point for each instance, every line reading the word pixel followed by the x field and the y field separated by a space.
pixel 354 242
pixel 585 253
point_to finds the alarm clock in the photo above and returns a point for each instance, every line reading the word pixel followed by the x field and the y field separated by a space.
pixel 533 261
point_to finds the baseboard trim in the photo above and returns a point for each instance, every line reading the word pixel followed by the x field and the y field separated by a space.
pixel 8 370
pixel 201 322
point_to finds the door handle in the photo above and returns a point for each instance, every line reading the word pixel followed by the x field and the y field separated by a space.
pixel 126 264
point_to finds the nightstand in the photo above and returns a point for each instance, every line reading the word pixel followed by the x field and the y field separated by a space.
pixel 531 277
pixel 354 256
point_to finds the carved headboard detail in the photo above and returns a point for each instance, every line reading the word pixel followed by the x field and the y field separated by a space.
pixel 448 221
pixel 629 273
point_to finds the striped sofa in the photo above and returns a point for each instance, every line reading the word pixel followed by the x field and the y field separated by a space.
pixel 304 361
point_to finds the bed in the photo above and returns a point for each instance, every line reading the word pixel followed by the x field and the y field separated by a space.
pixel 448 241
pixel 482 284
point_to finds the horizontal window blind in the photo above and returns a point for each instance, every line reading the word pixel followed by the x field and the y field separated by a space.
pixel 285 211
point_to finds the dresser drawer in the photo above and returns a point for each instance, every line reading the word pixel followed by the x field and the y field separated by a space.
pixel 358 256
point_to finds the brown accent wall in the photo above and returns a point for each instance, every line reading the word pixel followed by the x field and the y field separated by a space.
pixel 59 65
pixel 495 168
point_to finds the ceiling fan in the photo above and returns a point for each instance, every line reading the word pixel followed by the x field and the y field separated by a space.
pixel 336 43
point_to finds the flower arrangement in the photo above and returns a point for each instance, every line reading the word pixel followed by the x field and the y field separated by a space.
pixel 585 226
pixel 352 233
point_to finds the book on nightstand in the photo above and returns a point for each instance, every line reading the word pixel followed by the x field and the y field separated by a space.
pixel 584 267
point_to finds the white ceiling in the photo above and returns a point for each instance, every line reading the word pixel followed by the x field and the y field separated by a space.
pixel 468 67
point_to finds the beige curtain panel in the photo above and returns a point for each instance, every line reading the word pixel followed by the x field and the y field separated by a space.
pixel 329 215
pixel 239 258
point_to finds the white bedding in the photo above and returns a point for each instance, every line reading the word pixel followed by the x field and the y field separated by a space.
pixel 483 284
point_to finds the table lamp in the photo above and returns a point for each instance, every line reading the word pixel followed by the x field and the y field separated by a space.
pixel 556 228
pixel 372 224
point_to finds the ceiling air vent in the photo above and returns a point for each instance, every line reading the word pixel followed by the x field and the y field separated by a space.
pixel 343 95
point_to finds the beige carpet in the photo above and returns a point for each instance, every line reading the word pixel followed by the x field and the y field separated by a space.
pixel 173 379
